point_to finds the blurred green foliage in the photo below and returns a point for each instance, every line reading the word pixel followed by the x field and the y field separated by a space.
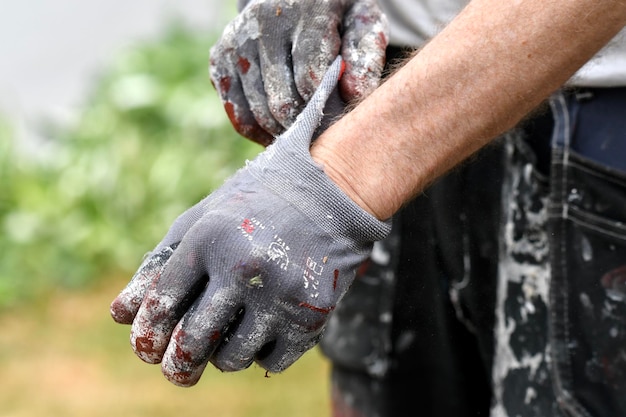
pixel 153 139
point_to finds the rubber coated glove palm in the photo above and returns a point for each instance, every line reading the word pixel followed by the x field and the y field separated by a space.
pixel 252 272
pixel 272 56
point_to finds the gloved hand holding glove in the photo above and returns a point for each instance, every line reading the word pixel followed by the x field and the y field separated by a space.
pixel 272 56
pixel 252 272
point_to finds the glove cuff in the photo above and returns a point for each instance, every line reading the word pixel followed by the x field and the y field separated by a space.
pixel 305 185
pixel 287 168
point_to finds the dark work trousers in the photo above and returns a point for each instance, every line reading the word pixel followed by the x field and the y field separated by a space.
pixel 502 288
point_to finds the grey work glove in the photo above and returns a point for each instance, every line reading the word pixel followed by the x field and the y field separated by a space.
pixel 272 56
pixel 252 272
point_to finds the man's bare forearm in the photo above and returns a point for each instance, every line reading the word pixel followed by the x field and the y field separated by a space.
pixel 479 77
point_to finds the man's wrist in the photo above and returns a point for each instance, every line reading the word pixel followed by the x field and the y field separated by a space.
pixel 349 180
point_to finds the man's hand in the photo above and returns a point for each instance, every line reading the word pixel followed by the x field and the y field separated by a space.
pixel 252 272
pixel 272 56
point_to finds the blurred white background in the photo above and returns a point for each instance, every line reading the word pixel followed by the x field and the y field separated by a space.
pixel 50 49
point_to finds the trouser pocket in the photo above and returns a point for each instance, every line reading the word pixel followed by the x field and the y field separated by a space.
pixel 587 220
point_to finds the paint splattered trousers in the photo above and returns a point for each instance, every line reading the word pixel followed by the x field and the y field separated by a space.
pixel 502 289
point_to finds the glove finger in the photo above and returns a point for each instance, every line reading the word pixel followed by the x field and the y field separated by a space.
pixel 253 88
pixel 275 49
pixel 286 350
pixel 295 336
pixel 364 44
pixel 230 89
pixel 283 98
pixel 198 334
pixel 315 49
pixel 125 306
pixel 240 348
pixel 181 281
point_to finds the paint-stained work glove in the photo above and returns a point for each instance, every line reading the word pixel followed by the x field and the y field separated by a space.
pixel 251 272
pixel 272 56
